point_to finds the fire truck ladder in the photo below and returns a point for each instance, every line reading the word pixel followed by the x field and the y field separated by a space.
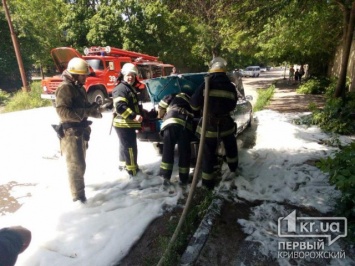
pixel 111 51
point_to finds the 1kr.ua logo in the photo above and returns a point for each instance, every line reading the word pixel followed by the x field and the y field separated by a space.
pixel 328 227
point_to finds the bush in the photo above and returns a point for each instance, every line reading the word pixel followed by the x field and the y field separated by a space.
pixel 27 100
pixel 341 171
pixel 264 96
pixel 4 97
pixel 314 86
pixel 337 116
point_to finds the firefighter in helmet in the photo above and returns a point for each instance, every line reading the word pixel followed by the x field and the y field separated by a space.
pixel 177 129
pixel 128 117
pixel 220 125
pixel 73 109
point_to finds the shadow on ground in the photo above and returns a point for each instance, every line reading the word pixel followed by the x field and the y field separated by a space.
pixel 287 100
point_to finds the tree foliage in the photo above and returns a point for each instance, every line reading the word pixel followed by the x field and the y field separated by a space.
pixel 37 26
pixel 9 71
pixel 188 33
pixel 76 21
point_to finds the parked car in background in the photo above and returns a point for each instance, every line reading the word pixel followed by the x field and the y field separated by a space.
pixel 157 88
pixel 251 71
pixel 263 69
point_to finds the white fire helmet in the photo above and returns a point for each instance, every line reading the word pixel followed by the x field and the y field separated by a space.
pixel 218 64
pixel 78 66
pixel 129 68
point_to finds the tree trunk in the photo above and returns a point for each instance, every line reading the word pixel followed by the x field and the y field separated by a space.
pixel 349 21
pixel 25 87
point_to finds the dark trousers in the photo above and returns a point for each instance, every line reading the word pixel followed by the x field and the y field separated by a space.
pixel 210 159
pixel 128 148
pixel 176 134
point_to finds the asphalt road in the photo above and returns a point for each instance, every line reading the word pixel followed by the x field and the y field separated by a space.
pixel 263 81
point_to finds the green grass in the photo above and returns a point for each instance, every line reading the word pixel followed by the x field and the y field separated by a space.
pixel 25 100
pixel 4 97
pixel 264 96
pixel 202 200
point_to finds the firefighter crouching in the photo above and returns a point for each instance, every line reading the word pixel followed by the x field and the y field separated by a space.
pixel 177 129
pixel 73 108
pixel 220 125
pixel 128 118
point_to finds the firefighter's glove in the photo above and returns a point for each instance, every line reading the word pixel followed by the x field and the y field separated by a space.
pixel 161 112
pixel 106 107
pixel 138 118
pixel 94 111
pixel 153 113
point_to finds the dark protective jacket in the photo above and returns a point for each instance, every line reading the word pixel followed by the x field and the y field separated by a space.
pixel 126 105
pixel 72 103
pixel 10 246
pixel 222 100
pixel 178 110
pixel 73 107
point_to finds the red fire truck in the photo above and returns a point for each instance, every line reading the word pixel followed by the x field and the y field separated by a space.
pixel 105 65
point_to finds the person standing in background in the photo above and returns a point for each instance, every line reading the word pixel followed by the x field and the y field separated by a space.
pixel 173 72
pixel 297 76
pixel 291 75
pixel 302 72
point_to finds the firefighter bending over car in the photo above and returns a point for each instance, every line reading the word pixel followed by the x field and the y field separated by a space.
pixel 128 117
pixel 177 129
pixel 220 125
pixel 73 108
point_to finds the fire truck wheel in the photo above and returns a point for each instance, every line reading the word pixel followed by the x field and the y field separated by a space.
pixel 96 96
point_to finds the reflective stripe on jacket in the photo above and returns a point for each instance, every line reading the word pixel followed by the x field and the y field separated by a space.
pixel 178 111
pixel 222 100
pixel 126 105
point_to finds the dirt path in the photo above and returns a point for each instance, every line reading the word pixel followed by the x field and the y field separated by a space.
pixel 287 100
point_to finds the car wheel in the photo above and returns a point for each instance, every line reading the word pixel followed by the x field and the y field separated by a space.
pixel 96 96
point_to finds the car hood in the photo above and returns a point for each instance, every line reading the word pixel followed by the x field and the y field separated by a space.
pixel 159 87
pixel 62 55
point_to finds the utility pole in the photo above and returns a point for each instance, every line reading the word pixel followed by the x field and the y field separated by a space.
pixel 25 87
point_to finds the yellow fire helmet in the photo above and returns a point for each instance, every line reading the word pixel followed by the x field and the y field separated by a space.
pixel 78 66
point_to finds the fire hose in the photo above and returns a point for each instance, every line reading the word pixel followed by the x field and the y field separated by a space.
pixel 196 173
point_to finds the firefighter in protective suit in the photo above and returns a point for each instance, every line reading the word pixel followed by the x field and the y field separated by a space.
pixel 73 108
pixel 177 129
pixel 128 117
pixel 220 125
